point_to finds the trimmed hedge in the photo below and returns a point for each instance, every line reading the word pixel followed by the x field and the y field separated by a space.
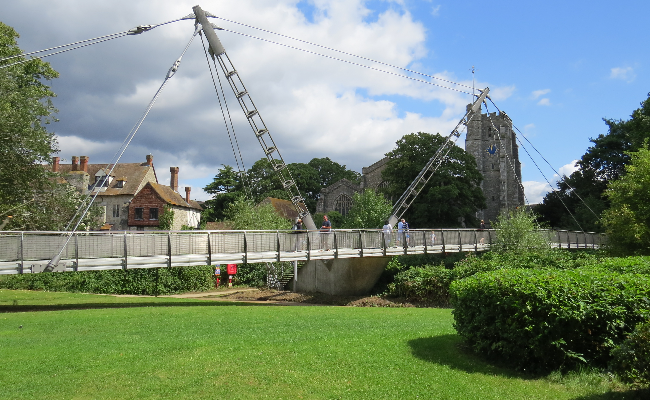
pixel 541 320
pixel 158 281
pixel 427 284
pixel 631 359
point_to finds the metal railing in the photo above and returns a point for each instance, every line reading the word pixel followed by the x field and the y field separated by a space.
pixel 30 252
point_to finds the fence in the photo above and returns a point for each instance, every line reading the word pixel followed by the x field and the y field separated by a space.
pixel 30 252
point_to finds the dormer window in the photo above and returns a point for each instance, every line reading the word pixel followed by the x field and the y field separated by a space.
pixel 120 183
pixel 100 181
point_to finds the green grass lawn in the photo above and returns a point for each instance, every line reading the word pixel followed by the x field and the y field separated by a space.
pixel 154 348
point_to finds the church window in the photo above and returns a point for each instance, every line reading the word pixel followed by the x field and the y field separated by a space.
pixel 343 204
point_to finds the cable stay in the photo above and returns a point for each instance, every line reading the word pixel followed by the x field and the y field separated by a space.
pixel 554 170
pixel 253 116
pixel 434 162
pixel 241 170
pixel 84 43
pixel 357 64
pixel 338 51
pixel 111 166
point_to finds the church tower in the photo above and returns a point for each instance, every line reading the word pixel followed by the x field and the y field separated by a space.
pixel 492 142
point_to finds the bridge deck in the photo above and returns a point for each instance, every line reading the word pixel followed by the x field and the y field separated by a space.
pixel 30 252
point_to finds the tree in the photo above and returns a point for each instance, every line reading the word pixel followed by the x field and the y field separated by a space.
pixel 166 218
pixel 262 181
pixel 25 109
pixel 246 215
pixel 369 210
pixel 330 172
pixel 604 162
pixel 29 192
pixel 452 192
pixel 517 233
pixel 627 221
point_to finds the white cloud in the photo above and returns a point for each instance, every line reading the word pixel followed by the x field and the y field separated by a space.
pixel 539 93
pixel 544 102
pixel 435 10
pixel 535 191
pixel 623 73
pixel 568 169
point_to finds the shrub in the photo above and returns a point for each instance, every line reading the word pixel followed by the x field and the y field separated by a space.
pixel 631 359
pixel 541 320
pixel 158 281
pixel 429 284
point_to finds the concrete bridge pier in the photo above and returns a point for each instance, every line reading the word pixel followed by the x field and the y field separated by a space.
pixel 341 276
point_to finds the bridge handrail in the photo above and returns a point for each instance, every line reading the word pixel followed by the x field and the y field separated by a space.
pixel 29 251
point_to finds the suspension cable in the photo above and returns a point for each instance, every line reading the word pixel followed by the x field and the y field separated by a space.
pixel 345 52
pixel 170 73
pixel 241 170
pixel 349 62
pixel 87 42
pixel 554 170
pixel 536 165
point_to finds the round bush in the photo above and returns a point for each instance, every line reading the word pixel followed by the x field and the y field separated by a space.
pixel 541 320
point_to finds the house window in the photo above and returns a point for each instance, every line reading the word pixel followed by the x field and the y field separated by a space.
pixel 153 213
pixel 116 210
pixel 120 183
pixel 139 212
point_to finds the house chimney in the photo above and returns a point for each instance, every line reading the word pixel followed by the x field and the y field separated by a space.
pixel 75 163
pixel 173 182
pixel 150 160
pixel 187 194
pixel 84 164
pixel 55 164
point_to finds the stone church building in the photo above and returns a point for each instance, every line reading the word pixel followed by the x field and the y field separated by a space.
pixel 492 142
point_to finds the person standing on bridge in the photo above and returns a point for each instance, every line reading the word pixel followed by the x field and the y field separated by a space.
pixel 388 233
pixel 325 229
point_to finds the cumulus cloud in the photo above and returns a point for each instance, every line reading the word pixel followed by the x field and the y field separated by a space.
pixel 568 169
pixel 623 73
pixel 313 106
pixel 535 191
pixel 544 102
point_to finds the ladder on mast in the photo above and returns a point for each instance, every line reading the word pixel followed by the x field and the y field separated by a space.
pixel 253 116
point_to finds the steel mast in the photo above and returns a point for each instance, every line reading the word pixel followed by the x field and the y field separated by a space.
pixel 432 165
pixel 254 118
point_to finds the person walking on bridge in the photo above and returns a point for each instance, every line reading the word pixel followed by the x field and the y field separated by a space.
pixel 325 229
pixel 387 229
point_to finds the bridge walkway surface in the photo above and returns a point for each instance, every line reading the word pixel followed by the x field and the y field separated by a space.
pixel 30 252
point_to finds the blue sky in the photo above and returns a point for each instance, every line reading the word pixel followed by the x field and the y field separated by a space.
pixel 556 67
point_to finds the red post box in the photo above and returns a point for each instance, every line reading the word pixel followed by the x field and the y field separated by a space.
pixel 231 269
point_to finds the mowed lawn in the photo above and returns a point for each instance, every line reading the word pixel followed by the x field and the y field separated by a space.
pixel 155 348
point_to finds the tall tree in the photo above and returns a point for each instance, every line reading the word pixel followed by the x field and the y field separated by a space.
pixel 451 193
pixel 25 110
pixel 580 198
pixel 369 210
pixel 330 172
pixel 628 219
pixel 29 191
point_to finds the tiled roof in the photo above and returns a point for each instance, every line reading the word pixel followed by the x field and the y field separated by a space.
pixel 133 173
pixel 171 197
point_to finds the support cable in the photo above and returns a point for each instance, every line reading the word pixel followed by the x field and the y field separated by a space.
pixel 538 168
pixel 346 53
pixel 241 169
pixel 170 73
pixel 549 164
pixel 84 43
pixel 351 62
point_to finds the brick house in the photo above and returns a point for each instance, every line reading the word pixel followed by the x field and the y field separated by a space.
pixel 147 206
pixel 114 192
